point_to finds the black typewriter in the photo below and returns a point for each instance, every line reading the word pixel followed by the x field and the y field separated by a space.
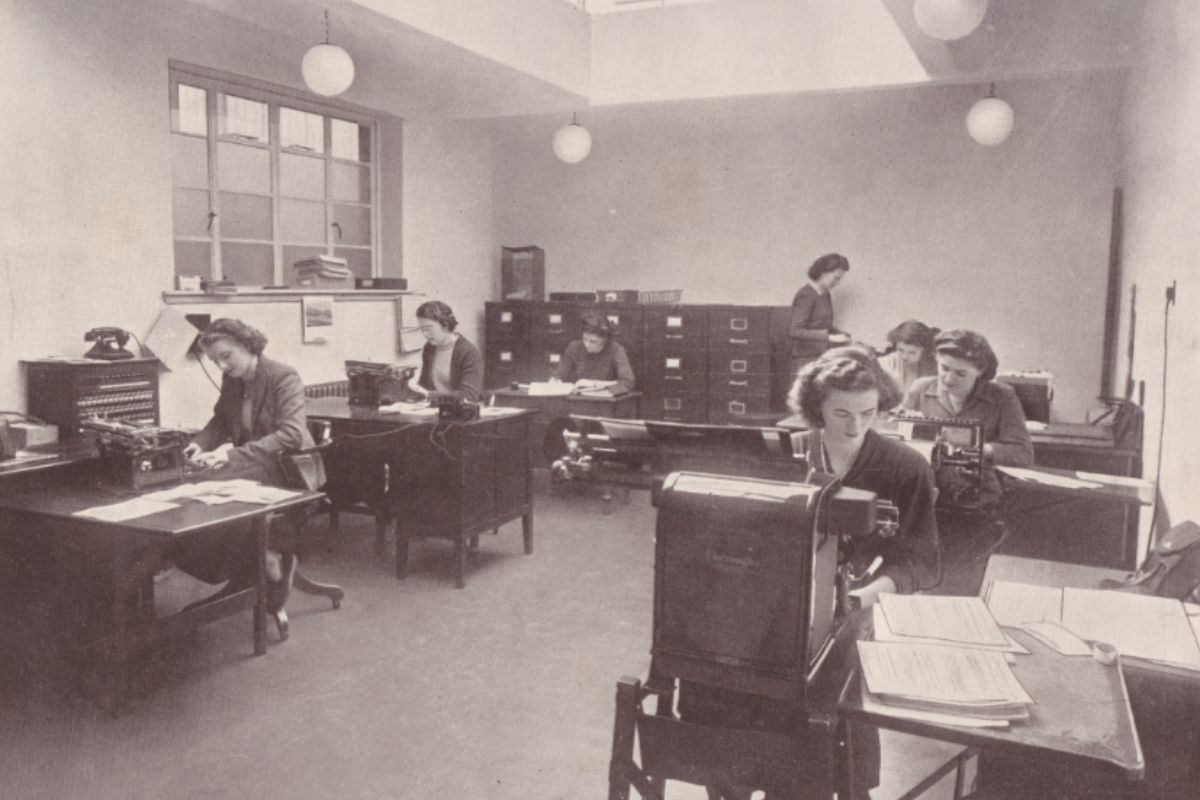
pixel 956 457
pixel 138 456
pixel 373 383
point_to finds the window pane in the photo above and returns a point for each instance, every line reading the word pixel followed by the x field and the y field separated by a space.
pixel 189 112
pixel 350 140
pixel 294 253
pixel 243 169
pixel 245 119
pixel 358 259
pixel 193 258
pixel 301 176
pixel 190 210
pixel 301 221
pixel 248 264
pixel 351 183
pixel 301 129
pixel 245 216
pixel 355 224
pixel 189 161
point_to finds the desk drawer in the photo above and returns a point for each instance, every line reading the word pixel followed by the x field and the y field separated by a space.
pixel 674 406
pixel 743 327
pixel 739 365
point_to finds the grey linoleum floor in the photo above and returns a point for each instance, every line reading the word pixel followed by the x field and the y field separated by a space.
pixel 412 689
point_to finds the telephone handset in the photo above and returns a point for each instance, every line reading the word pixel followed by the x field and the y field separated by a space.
pixel 109 344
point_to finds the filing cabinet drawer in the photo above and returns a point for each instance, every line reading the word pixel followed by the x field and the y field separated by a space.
pixel 555 322
pixel 747 409
pixel 627 322
pixel 758 383
pixel 681 327
pixel 681 372
pixel 739 327
pixel 674 407
pixel 507 319
pixel 543 360
pixel 739 364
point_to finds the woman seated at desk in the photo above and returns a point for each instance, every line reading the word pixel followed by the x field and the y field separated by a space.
pixel 258 416
pixel 964 389
pixel 910 355
pixel 595 356
pixel 450 365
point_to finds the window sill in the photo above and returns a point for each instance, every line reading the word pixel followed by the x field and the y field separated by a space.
pixel 280 295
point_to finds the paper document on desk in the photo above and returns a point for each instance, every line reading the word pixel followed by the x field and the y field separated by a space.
pixel 407 408
pixel 550 389
pixel 948 679
pixel 874 705
pixel 955 619
pixel 1048 479
pixel 1014 604
pixel 884 633
pixel 1143 626
pixel 129 509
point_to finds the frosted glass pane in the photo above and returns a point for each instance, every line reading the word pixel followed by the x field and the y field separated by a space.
pixel 350 140
pixel 189 114
pixel 189 161
pixel 245 216
pixel 245 119
pixel 351 183
pixel 243 169
pixel 301 129
pixel 355 225
pixel 190 211
pixel 358 259
pixel 193 258
pixel 301 176
pixel 248 264
pixel 302 221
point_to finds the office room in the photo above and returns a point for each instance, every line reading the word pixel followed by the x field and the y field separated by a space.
pixel 732 143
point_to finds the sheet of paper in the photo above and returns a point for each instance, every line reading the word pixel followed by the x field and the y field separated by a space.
pixel 1154 628
pixel 874 705
pixel 1034 425
pixel 1013 604
pixel 1048 479
pixel 584 384
pixel 405 408
pixel 959 675
pixel 956 619
pixel 129 509
pixel 1057 637
pixel 550 389
pixel 884 633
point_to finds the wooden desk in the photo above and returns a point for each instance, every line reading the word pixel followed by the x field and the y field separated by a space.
pixel 1165 700
pixel 448 480
pixel 1080 722
pixel 549 409
pixel 118 560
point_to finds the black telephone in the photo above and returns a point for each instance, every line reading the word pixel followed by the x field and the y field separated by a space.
pixel 456 409
pixel 109 344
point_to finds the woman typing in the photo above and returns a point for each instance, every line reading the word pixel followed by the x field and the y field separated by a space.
pixel 450 365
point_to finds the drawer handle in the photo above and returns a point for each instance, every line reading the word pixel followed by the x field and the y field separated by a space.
pixel 555 358
pixel 739 383
pixel 672 377
pixel 738 324
pixel 506 356
pixel 739 341
pixel 737 407
pixel 737 365
pixel 555 331
pixel 674 336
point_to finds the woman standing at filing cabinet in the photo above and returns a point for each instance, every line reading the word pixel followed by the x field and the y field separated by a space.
pixel 910 355
pixel 963 388
pixel 258 416
pixel 811 330
pixel 450 365
pixel 595 356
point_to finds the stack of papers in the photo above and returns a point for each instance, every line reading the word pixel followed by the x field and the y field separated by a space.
pixel 238 490
pixel 959 682
pixel 550 389
pixel 419 407
pixel 1142 626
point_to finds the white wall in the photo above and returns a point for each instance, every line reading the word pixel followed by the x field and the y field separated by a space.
pixel 731 200
pixel 1162 205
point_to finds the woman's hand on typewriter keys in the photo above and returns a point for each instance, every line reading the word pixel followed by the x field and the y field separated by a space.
pixel 191 452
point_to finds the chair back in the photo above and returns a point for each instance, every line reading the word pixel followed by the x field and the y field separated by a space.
pixel 304 469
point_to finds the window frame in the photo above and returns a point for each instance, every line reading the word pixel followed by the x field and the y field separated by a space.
pixel 214 83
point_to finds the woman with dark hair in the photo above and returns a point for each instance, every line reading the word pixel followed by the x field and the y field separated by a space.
pixel 450 365
pixel 910 353
pixel 964 388
pixel 595 356
pixel 258 416
pixel 811 330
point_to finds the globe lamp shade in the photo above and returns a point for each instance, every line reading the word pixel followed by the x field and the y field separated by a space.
pixel 327 69
pixel 572 143
pixel 990 121
pixel 949 19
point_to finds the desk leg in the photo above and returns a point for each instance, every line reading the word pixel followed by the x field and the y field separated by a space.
pixel 527 532
pixel 401 552
pixel 460 562
pixel 128 589
pixel 260 587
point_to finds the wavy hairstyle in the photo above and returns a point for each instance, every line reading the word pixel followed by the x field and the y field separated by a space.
pixel 597 324
pixel 439 312
pixel 845 369
pixel 830 262
pixel 226 328
pixel 969 346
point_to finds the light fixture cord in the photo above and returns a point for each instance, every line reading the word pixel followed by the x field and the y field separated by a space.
pixel 327 26
pixel 991 87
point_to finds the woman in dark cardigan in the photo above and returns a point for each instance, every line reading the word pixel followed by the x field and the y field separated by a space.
pixel 812 331
pixel 450 365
